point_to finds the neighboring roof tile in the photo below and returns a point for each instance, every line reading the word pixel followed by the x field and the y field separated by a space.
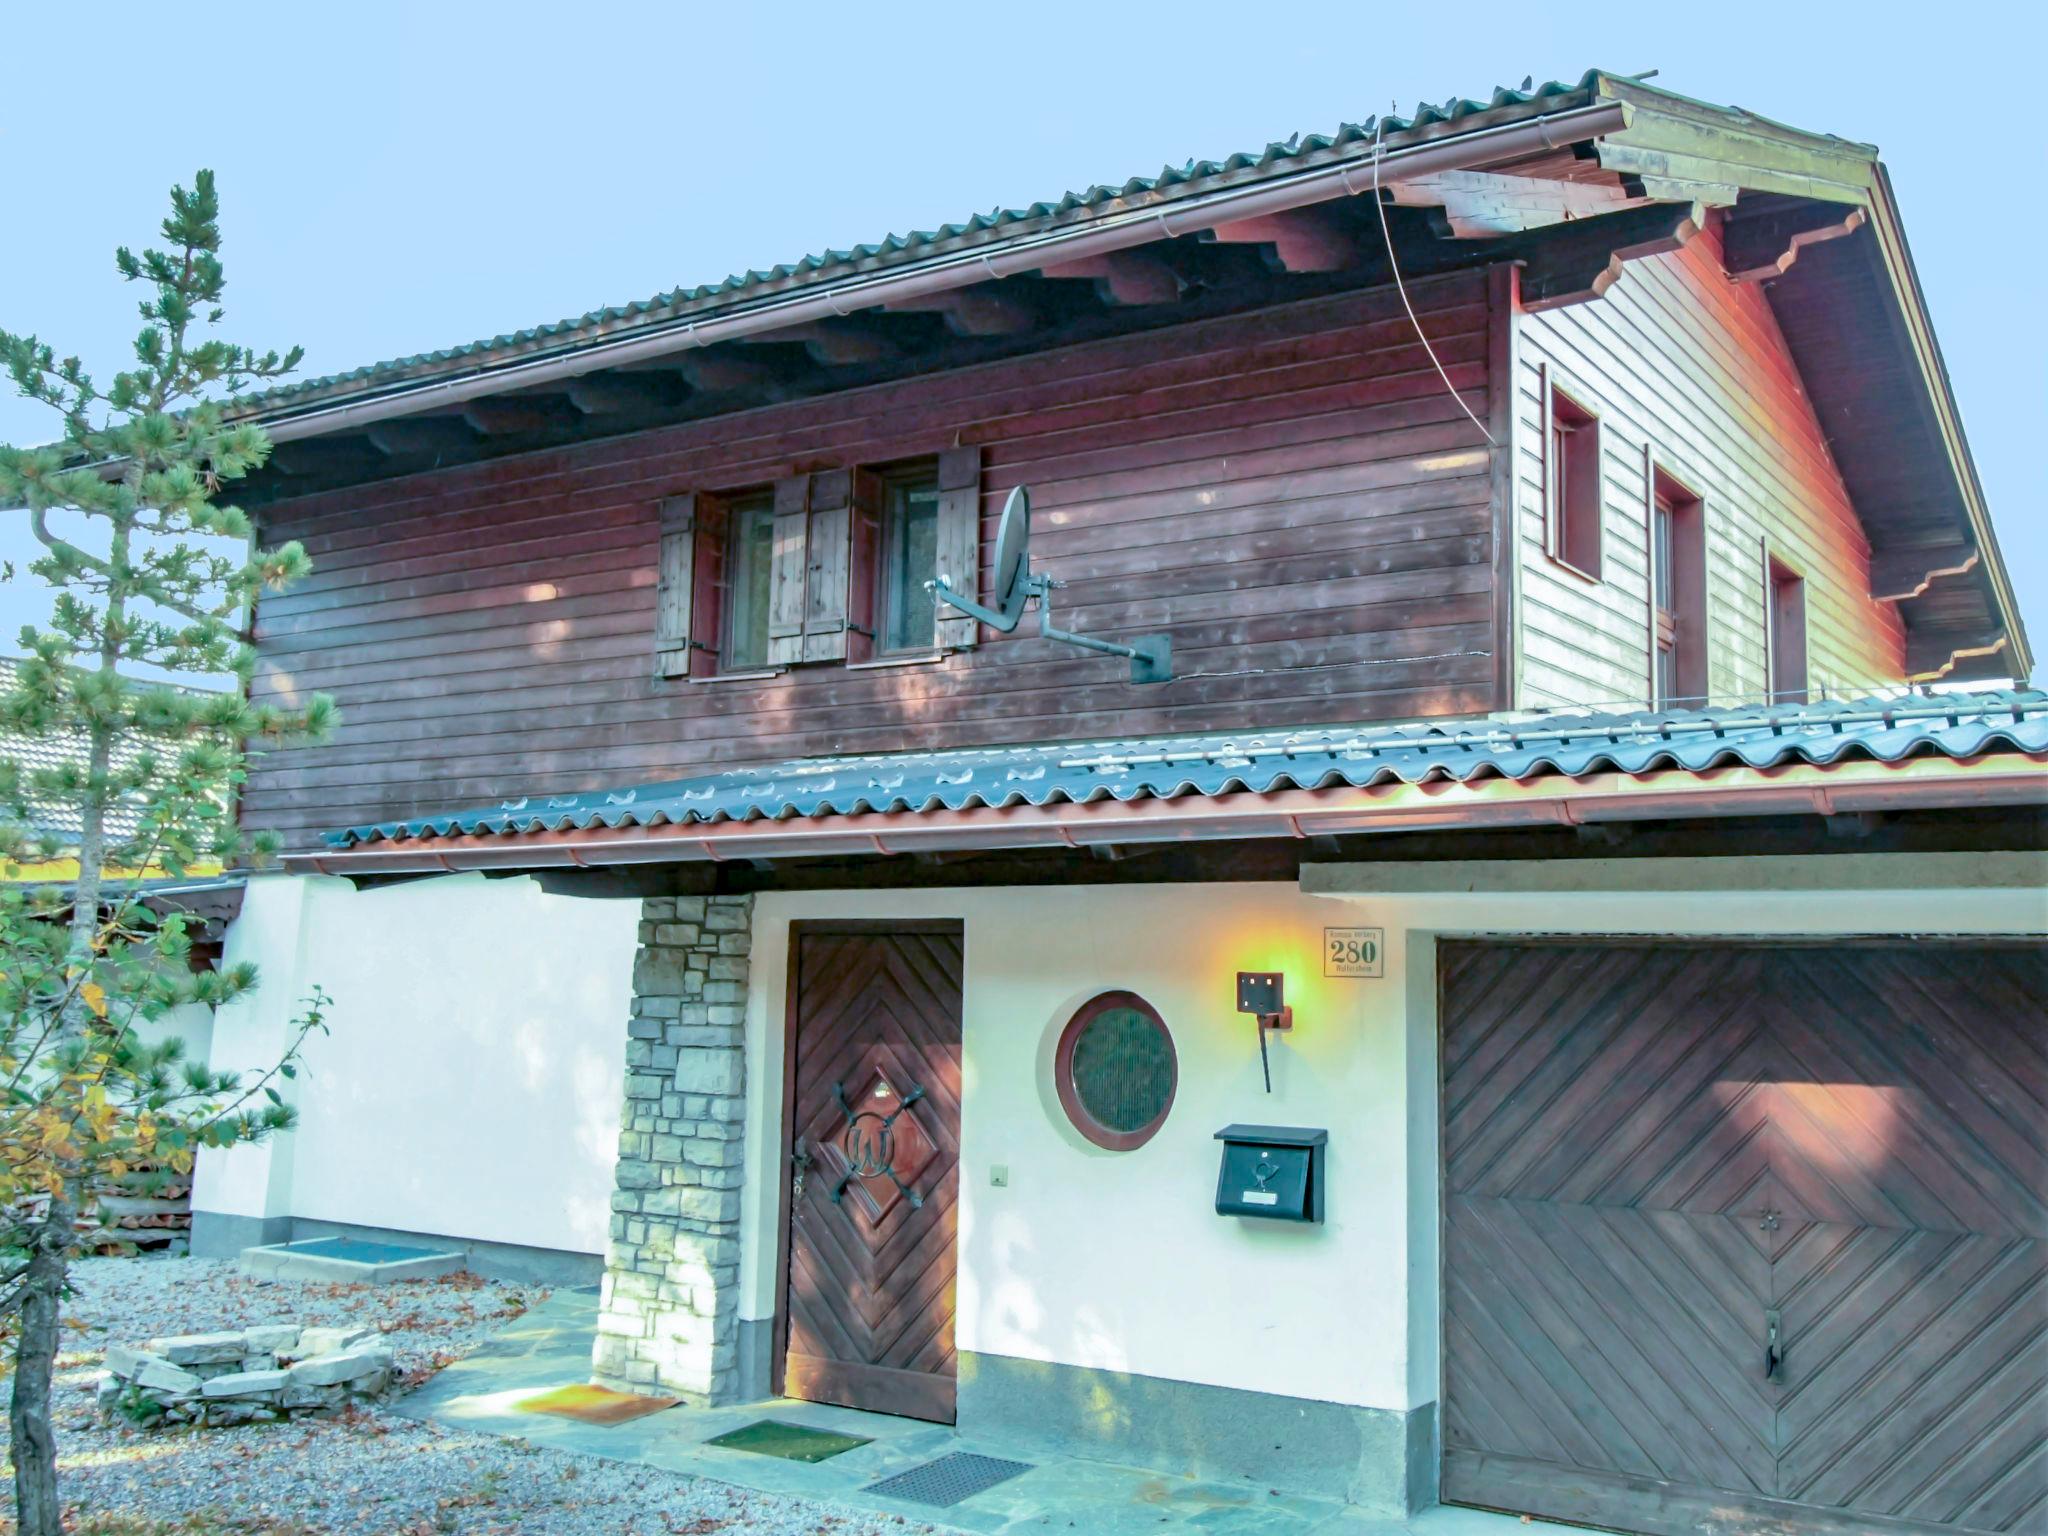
pixel 1298 150
pixel 52 819
pixel 1573 745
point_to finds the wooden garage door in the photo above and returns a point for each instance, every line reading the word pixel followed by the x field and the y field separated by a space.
pixel 1747 1239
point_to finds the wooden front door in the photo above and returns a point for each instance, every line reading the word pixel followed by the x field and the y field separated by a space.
pixel 1747 1238
pixel 872 1119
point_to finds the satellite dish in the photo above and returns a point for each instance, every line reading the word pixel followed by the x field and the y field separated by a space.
pixel 1013 558
pixel 1151 658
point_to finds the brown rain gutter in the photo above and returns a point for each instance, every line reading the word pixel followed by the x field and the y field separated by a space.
pixel 960 269
pixel 1797 789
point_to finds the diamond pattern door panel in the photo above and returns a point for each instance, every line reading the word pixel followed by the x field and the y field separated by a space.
pixel 1653 1153
pixel 874 1120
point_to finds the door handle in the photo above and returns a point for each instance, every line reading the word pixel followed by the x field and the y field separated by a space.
pixel 1774 1346
pixel 800 1160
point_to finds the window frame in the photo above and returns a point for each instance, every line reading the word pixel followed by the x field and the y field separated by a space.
pixel 1677 551
pixel 1574 504
pixel 1785 631
pixel 897 480
pixel 739 505
pixel 1078 1114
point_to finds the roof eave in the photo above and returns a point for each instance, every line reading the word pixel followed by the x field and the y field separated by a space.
pixel 1558 800
pixel 1475 140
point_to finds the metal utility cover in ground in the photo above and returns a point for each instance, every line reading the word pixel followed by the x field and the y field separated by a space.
pixel 949 1480
pixel 792 1442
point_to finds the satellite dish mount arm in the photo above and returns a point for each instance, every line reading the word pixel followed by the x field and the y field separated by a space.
pixel 1015 584
pixel 1151 658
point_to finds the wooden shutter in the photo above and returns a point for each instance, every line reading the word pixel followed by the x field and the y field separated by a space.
pixel 826 567
pixel 675 587
pixel 788 571
pixel 959 543
pixel 686 602
pixel 863 566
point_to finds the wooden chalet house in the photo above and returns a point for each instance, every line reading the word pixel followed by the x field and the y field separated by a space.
pixel 1549 503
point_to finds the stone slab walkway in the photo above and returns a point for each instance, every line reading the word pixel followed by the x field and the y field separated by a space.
pixel 550 1347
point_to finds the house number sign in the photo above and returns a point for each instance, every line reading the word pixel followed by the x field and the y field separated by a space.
pixel 1354 952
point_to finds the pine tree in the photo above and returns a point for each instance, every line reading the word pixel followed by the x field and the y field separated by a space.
pixel 152 575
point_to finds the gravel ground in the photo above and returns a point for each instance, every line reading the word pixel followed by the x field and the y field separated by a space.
pixel 367 1473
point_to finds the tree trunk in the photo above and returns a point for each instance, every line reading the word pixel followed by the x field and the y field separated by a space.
pixel 32 1438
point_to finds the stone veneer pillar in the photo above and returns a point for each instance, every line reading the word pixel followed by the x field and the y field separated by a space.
pixel 669 1318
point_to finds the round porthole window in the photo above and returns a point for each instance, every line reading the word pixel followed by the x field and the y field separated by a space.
pixel 1116 1070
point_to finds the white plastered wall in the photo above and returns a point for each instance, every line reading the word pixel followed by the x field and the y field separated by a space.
pixel 471 1082
pixel 1116 1260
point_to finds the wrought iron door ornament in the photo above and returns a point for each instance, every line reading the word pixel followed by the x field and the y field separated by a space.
pixel 871 1147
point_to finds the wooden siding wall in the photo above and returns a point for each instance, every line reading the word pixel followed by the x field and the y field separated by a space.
pixel 1677 357
pixel 1290 494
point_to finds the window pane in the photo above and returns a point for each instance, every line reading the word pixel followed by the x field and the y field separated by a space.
pixel 910 543
pixel 1661 555
pixel 749 556
pixel 1123 1069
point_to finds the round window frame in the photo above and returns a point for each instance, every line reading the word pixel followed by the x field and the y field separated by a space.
pixel 1063 1072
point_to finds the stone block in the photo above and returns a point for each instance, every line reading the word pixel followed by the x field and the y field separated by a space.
pixel 274 1338
pixel 712 1152
pixel 124 1360
pixel 245 1384
pixel 328 1341
pixel 711 1072
pixel 678 935
pixel 725 919
pixel 348 1366
pixel 689 909
pixel 161 1378
pixel 659 972
pixel 189 1349
pixel 709 1204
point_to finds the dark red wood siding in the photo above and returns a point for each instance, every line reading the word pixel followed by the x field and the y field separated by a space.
pixel 1291 494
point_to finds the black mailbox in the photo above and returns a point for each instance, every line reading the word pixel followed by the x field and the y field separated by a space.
pixel 1273 1171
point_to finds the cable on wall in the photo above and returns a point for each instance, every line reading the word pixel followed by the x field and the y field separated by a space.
pixel 1400 287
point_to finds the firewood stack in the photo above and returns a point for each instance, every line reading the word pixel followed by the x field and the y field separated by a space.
pixel 146 1208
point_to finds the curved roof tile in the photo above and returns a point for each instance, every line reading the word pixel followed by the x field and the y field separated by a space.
pixel 1572 745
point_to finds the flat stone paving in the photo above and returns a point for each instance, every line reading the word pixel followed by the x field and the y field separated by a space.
pixel 550 1347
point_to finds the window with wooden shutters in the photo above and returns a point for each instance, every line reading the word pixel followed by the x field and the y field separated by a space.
pixel 832 566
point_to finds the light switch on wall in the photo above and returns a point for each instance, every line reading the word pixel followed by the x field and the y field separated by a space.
pixel 999 1175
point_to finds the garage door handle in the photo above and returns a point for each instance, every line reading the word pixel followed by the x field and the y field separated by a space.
pixel 1774 1355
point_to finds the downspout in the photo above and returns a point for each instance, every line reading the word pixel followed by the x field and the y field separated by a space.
pixel 962 269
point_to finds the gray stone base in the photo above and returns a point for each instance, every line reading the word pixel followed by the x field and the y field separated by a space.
pixel 1382 1460
pixel 291 1261
pixel 217 1236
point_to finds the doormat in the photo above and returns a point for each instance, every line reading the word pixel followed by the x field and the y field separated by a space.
pixel 594 1405
pixel 792 1442
pixel 948 1480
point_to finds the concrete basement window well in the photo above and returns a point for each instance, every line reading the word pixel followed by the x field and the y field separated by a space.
pixel 347 1259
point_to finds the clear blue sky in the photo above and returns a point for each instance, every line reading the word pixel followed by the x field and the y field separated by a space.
pixel 402 177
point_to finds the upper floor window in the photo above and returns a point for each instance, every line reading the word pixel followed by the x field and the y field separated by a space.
pixel 910 558
pixel 1678 594
pixel 820 567
pixel 1572 482
pixel 1785 598
pixel 749 562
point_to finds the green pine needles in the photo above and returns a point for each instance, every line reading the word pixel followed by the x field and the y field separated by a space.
pixel 151 576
